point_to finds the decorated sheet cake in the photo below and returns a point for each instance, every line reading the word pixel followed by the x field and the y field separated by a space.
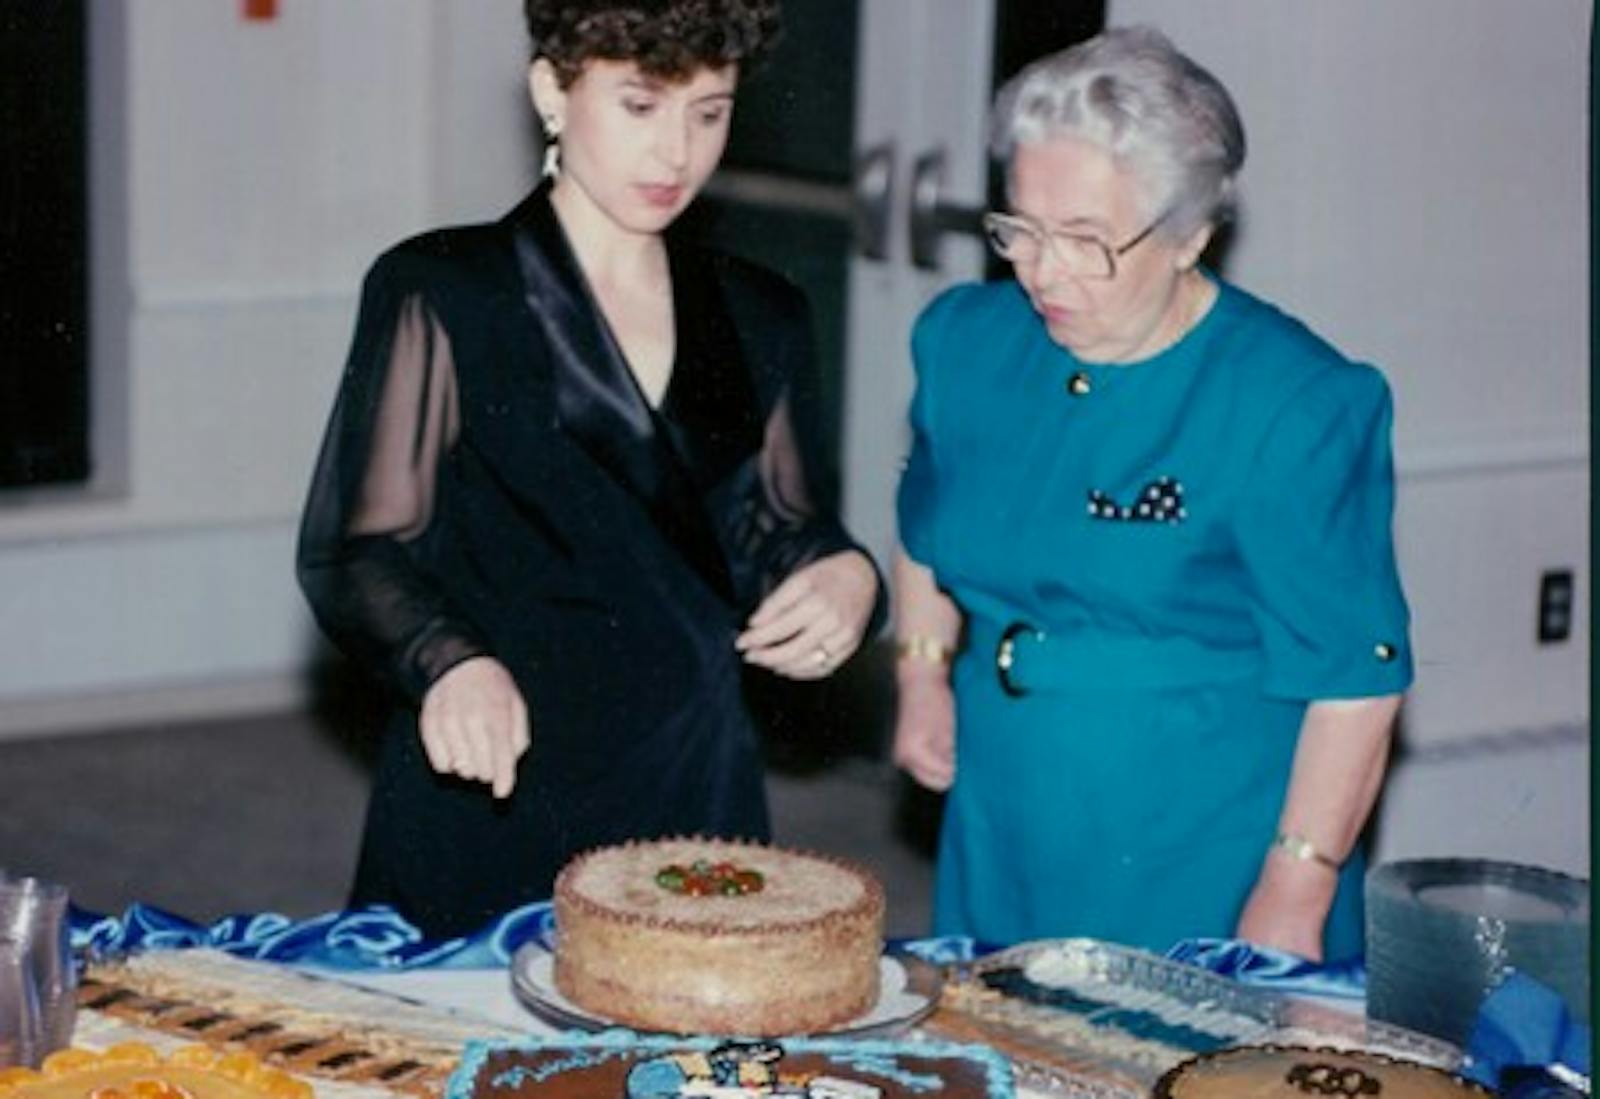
pixel 620 1064
pixel 1084 1017
pixel 353 1042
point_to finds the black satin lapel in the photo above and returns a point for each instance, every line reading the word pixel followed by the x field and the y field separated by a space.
pixel 597 400
pixel 596 397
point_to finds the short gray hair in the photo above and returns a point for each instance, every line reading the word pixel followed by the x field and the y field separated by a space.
pixel 1159 114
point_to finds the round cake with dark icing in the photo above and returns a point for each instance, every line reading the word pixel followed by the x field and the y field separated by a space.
pixel 1293 1072
pixel 718 937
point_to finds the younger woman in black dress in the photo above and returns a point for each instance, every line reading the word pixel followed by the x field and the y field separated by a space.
pixel 565 496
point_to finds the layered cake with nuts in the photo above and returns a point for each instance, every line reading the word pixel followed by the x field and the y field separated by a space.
pixel 711 936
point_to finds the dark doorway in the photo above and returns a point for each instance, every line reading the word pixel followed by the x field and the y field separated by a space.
pixel 44 360
pixel 1026 30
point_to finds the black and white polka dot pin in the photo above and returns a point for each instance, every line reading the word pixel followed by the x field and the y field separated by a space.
pixel 1160 501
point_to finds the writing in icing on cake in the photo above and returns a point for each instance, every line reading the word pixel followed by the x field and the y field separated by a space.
pixel 704 878
pixel 1326 1079
pixel 736 1070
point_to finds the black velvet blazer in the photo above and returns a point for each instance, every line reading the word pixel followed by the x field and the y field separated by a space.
pixel 494 481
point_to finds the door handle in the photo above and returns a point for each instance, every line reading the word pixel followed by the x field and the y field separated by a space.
pixel 931 217
pixel 866 203
pixel 874 199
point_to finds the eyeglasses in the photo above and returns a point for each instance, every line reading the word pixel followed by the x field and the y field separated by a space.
pixel 1022 240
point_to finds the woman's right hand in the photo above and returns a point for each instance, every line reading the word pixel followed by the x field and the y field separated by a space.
pixel 474 724
pixel 925 731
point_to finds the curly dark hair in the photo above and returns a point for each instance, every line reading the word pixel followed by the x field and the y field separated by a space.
pixel 667 39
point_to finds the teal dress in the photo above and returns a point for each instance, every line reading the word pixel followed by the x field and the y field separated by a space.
pixel 1160 565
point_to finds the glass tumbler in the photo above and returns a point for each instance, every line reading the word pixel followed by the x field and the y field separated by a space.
pixel 35 941
pixel 21 1023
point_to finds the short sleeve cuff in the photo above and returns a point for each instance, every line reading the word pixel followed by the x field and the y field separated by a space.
pixel 1369 666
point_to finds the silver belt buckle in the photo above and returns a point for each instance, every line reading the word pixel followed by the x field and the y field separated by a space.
pixel 1005 656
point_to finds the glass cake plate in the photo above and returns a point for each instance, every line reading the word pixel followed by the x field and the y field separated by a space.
pixel 1085 1018
pixel 908 990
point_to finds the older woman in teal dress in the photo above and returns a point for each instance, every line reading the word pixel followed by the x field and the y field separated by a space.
pixel 1152 637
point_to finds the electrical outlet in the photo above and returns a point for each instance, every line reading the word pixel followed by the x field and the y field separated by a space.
pixel 1555 606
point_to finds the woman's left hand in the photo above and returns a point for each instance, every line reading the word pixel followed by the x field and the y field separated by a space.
pixel 1288 907
pixel 813 621
pixel 1339 762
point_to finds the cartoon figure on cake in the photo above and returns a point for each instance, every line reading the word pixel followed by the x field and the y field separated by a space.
pixel 735 1070
pixel 569 496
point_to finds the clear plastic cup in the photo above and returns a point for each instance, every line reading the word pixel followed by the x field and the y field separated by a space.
pixel 35 941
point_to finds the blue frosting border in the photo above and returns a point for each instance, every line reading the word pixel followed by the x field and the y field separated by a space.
pixel 998 1077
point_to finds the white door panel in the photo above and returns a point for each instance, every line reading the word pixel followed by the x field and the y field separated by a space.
pixel 922 87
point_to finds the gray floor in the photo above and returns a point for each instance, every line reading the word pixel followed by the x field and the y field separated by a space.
pixel 263 814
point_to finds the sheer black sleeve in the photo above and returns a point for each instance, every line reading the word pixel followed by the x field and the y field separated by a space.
pixel 784 515
pixel 369 520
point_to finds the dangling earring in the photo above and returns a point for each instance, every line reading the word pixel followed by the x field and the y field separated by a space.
pixel 552 149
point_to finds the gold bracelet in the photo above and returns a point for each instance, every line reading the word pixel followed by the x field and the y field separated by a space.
pixel 1300 849
pixel 919 646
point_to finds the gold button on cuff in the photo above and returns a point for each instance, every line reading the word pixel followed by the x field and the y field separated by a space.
pixel 1384 651
pixel 1078 385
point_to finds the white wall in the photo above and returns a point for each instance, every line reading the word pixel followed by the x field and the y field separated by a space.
pixel 1417 190
pixel 244 174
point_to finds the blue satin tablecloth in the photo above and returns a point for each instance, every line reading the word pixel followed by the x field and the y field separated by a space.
pixel 378 938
